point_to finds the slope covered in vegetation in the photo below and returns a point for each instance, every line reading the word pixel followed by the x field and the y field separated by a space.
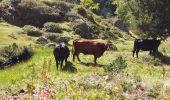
pixel 117 76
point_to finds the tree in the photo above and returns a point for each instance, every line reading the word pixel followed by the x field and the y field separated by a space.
pixel 150 18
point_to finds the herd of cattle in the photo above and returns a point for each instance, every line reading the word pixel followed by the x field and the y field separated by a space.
pixel 91 47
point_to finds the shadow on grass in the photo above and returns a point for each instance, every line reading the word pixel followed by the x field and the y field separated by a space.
pixel 69 67
pixel 164 59
pixel 91 64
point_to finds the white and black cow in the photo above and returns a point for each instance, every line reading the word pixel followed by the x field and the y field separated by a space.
pixel 61 52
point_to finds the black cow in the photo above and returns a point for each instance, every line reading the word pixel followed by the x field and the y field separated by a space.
pixel 146 45
pixel 61 52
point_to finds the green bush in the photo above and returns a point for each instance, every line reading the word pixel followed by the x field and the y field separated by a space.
pixel 126 86
pixel 57 37
pixel 52 27
pixel 62 6
pixel 111 35
pixel 94 29
pixel 32 30
pixel 116 66
pixel 82 12
pixel 13 53
pixel 153 93
pixel 151 60
pixel 114 48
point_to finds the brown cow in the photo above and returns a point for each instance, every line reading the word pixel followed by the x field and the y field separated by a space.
pixel 90 47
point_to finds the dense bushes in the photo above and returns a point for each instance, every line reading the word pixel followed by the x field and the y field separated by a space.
pixel 31 30
pixel 28 12
pixel 62 6
pixel 13 53
pixel 52 27
pixel 54 37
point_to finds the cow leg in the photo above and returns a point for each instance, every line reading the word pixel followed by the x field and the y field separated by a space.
pixel 95 58
pixel 154 53
pixel 150 52
pixel 57 64
pixel 74 56
pixel 78 57
pixel 137 51
pixel 66 61
pixel 61 65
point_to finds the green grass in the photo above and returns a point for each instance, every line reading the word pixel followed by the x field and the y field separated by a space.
pixel 6 29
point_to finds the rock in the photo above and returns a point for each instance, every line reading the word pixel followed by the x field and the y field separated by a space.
pixel 82 30
pixel 43 40
pixel 121 25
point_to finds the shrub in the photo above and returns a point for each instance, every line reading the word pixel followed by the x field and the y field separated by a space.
pixel 94 29
pixel 57 37
pixel 82 12
pixel 32 30
pixel 28 12
pixel 151 60
pixel 153 93
pixel 114 48
pixel 111 35
pixel 117 65
pixel 126 86
pixel 62 6
pixel 13 53
pixel 52 27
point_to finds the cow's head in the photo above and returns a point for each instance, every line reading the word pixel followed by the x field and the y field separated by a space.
pixel 108 46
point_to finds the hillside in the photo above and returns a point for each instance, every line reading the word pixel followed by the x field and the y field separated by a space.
pixel 116 76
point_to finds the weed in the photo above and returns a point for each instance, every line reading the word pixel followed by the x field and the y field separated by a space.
pixel 117 65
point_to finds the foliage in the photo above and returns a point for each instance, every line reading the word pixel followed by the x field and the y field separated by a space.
pixel 24 12
pixel 147 16
pixel 14 53
pixel 111 35
pixel 151 60
pixel 55 37
pixel 114 48
pixel 32 30
pixel 61 6
pixel 153 93
pixel 117 65
pixel 90 4
pixel 52 27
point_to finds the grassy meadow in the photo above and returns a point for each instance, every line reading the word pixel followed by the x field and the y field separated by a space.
pixel 143 78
